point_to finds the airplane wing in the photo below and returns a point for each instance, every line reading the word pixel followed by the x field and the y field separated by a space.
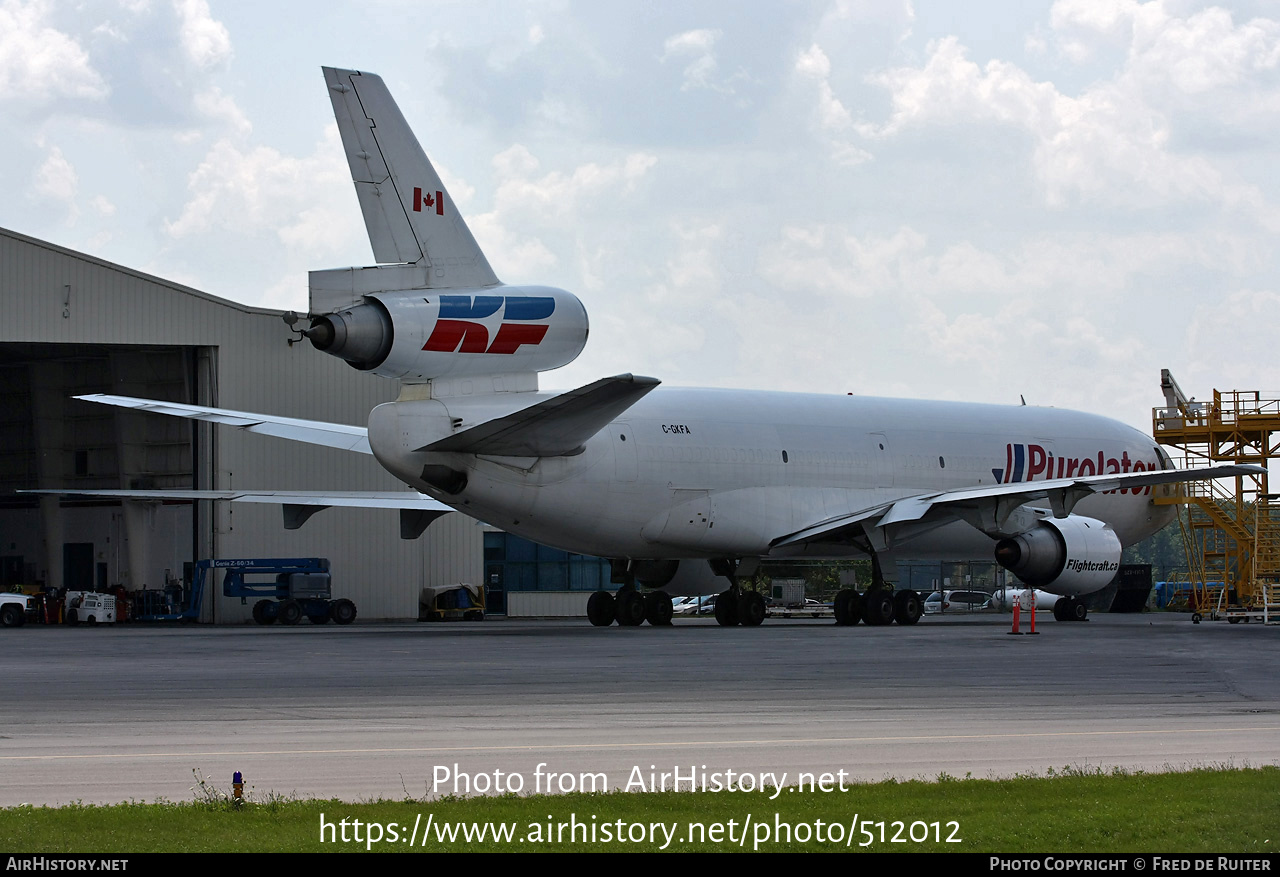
pixel 990 508
pixel 555 427
pixel 417 510
pixel 315 432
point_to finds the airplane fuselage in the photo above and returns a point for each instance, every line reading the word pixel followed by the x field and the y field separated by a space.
pixel 705 473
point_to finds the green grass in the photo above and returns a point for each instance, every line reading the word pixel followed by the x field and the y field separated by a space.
pixel 1208 810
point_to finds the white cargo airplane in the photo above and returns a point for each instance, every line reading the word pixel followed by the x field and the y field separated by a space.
pixel 677 486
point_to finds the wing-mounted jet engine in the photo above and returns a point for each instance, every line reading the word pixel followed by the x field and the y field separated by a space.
pixel 1070 556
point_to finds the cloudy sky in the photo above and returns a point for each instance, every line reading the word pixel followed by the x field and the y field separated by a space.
pixel 929 199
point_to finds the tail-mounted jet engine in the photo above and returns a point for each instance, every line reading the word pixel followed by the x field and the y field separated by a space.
pixel 420 335
pixel 1071 555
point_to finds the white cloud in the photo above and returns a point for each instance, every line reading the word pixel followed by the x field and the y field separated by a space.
pixel 529 206
pixel 1203 52
pixel 39 63
pixel 259 190
pixel 204 39
pixel 1110 17
pixel 834 119
pixel 698 45
pixel 1195 53
pixel 702 69
pixel 814 64
pixel 558 192
pixel 221 109
pixel 830 261
pixel 1241 323
pixel 1108 145
pixel 56 178
pixel 102 205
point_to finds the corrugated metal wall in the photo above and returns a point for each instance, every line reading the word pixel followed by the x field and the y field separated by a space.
pixel 49 294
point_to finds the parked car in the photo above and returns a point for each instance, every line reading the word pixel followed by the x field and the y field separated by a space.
pixel 693 605
pixel 957 601
pixel 684 605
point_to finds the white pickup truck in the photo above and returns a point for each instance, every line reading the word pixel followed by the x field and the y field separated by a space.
pixel 13 609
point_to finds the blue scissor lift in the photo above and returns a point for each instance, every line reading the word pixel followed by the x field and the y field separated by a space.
pixel 297 587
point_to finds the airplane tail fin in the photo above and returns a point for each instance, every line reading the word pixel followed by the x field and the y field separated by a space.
pixel 407 211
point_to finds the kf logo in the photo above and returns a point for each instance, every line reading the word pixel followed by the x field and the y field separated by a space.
pixel 457 332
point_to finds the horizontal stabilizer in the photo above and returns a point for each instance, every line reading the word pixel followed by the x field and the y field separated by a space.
pixel 556 427
pixel 417 510
pixel 364 499
pixel 314 432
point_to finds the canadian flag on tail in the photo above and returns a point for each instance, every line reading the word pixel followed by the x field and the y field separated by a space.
pixel 428 200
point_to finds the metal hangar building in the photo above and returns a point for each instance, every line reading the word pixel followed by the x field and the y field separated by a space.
pixel 70 325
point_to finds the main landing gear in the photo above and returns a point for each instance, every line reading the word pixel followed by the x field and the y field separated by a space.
pixel 629 608
pixel 877 607
pixel 1070 609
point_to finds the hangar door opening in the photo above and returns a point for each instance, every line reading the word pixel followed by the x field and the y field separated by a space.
pixel 50 440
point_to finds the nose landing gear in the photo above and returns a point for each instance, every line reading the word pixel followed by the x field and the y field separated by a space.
pixel 734 605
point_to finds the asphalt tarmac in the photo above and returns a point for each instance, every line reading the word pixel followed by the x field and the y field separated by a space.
pixel 103 715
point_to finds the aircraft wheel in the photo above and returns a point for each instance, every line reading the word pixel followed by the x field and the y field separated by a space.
pixel 12 616
pixel 856 602
pixel 907 607
pixel 726 609
pixel 877 607
pixel 657 609
pixel 1060 610
pixel 600 609
pixel 1078 611
pixel 841 607
pixel 290 612
pixel 629 608
pixel 751 609
pixel 342 611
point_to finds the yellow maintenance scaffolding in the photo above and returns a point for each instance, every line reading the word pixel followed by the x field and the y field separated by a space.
pixel 1230 527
